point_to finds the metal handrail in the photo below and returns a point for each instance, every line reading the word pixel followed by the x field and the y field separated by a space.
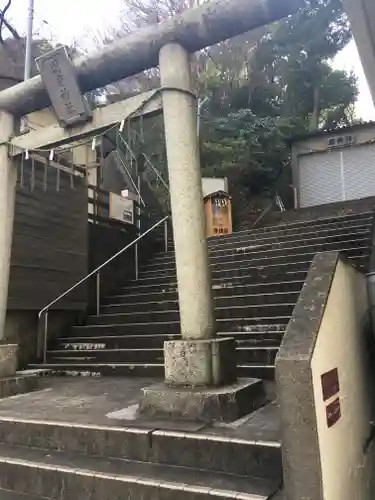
pixel 96 272
pixel 156 172
pixel 123 164
pixel 264 212
pixel 151 165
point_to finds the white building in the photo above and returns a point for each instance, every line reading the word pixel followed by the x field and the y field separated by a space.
pixel 334 166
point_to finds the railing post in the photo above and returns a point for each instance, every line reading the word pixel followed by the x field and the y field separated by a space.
pixel 136 255
pixel 98 293
pixel 166 235
pixel 45 337
pixel 136 261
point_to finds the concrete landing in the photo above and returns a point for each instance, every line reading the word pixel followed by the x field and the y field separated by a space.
pixel 113 402
pixel 19 383
pixel 226 403
pixel 81 438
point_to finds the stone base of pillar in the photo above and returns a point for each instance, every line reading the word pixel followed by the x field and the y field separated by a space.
pixel 209 362
pixel 13 383
pixel 201 384
pixel 206 404
pixel 8 360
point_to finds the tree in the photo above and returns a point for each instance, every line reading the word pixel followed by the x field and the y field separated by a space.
pixel 258 89
pixel 304 46
pixel 286 86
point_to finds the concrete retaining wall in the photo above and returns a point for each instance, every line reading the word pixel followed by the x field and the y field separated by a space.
pixel 307 214
pixel 325 383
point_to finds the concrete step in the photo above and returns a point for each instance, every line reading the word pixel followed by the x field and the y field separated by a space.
pixel 109 369
pixel 336 221
pixel 245 354
pixel 257 370
pixel 173 327
pixel 157 341
pixel 234 261
pixel 295 234
pixel 261 258
pixel 249 274
pixel 256 266
pixel 104 441
pixel 135 342
pixel 258 355
pixel 227 290
pixel 142 355
pixel 133 369
pixel 147 445
pixel 232 312
pixel 290 230
pixel 220 302
pixel 191 450
pixel 268 275
pixel 113 342
pixel 237 248
pixel 22 382
pixel 289 233
pixel 259 267
pixel 66 476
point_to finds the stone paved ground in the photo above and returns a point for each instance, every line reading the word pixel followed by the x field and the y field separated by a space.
pixel 113 401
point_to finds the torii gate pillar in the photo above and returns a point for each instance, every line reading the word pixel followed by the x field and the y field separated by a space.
pixel 200 369
pixel 189 223
pixel 8 178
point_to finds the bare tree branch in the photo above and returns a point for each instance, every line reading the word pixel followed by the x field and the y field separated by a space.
pixel 13 31
pixel 3 12
pixel 4 22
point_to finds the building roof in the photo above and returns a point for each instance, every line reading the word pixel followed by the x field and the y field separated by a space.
pixel 331 131
pixel 219 193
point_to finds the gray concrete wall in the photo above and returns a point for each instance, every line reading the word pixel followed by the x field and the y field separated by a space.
pixel 341 208
pixel 325 426
pixel 21 327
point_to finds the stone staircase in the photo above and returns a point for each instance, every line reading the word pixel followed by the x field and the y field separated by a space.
pixel 257 277
pixel 65 443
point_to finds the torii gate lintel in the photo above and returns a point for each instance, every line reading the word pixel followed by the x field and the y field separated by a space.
pixel 143 104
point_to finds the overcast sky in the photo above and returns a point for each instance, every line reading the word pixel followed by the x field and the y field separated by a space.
pixel 73 19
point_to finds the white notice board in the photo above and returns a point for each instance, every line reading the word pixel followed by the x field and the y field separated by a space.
pixel 121 208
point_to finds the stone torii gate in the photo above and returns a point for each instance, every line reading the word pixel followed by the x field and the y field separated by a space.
pixel 199 359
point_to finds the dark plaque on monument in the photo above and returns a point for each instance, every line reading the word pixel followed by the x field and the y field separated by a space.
pixel 330 384
pixel 59 78
pixel 333 412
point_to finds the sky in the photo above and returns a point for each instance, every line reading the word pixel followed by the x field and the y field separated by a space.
pixel 349 60
pixel 65 20
pixel 69 20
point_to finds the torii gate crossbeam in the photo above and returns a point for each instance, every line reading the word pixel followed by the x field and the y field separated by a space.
pixel 194 29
